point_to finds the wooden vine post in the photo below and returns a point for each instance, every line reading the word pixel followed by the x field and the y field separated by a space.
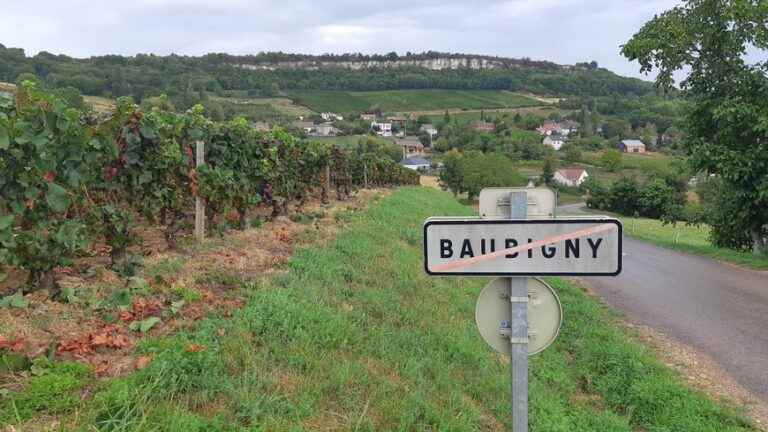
pixel 199 204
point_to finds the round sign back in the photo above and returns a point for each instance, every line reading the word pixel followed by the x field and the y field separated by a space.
pixel 492 315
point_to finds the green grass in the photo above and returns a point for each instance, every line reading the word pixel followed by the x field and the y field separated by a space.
pixel 354 336
pixel 54 390
pixel 692 239
pixel 632 165
pixel 410 100
pixel 350 141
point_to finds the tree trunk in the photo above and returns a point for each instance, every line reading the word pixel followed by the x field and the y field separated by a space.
pixel 279 207
pixel 173 227
pixel 117 255
pixel 241 217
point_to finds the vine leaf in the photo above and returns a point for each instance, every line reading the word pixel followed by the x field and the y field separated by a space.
pixel 57 197
pixel 5 140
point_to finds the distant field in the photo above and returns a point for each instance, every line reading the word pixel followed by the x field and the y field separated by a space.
pixel 348 141
pixel 283 105
pixel 99 104
pixel 410 100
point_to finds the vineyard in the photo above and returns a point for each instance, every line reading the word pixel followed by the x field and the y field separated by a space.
pixel 70 180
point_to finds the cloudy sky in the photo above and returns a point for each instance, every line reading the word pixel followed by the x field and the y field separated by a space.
pixel 563 31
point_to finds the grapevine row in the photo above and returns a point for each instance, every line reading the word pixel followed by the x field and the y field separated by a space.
pixel 67 179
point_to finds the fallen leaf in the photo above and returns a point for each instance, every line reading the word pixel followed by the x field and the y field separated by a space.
pixel 194 348
pixel 13 345
pixel 142 362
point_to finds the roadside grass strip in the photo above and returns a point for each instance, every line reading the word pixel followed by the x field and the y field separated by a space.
pixel 686 238
pixel 354 336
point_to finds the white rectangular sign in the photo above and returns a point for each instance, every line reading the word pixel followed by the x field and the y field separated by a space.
pixel 480 247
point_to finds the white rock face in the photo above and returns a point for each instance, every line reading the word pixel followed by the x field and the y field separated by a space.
pixel 433 64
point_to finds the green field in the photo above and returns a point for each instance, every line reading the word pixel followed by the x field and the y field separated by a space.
pixel 354 336
pixel 693 239
pixel 349 141
pixel 410 100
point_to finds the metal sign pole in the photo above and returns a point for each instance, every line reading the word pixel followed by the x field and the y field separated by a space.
pixel 518 337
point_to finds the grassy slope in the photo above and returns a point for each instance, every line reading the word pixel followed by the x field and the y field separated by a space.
pixel 410 100
pixel 356 337
pixel 688 239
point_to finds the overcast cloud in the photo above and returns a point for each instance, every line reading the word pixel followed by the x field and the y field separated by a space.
pixel 563 31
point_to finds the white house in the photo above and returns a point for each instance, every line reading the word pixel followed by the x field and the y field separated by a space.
pixel 555 141
pixel 570 176
pixel 632 146
pixel 325 129
pixel 383 129
pixel 429 128
pixel 329 116
pixel 415 163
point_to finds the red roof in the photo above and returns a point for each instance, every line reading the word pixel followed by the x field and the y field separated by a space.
pixel 484 126
pixel 572 174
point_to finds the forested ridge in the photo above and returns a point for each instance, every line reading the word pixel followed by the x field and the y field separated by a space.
pixel 186 80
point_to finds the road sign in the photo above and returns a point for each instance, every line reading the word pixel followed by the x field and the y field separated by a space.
pixel 519 236
pixel 521 247
pixel 494 203
pixel 493 316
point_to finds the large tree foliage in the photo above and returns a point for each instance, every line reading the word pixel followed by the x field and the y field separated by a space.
pixel 727 125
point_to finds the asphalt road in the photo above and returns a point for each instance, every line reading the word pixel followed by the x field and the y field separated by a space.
pixel 718 309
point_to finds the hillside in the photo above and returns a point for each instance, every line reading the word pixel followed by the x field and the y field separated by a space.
pixel 410 100
pixel 187 80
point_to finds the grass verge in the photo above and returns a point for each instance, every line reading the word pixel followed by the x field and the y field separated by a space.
pixel 691 239
pixel 354 336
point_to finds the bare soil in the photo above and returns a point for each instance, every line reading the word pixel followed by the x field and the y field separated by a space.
pixel 178 287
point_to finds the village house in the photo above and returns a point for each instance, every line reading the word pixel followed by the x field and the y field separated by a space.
pixel 632 146
pixel 484 126
pixel 368 116
pixel 382 129
pixel 568 127
pixel 555 141
pixel 325 129
pixel 311 129
pixel 429 128
pixel 415 163
pixel 411 147
pixel 306 126
pixel 572 177
pixel 329 116
pixel 563 128
pixel 399 125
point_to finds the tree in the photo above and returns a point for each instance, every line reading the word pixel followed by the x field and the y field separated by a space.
pixel 450 175
pixel 658 200
pixel 611 160
pixel 571 152
pixel 425 139
pixel 482 170
pixel 624 195
pixel 726 125
pixel 649 135
pixel 548 170
pixel 615 127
